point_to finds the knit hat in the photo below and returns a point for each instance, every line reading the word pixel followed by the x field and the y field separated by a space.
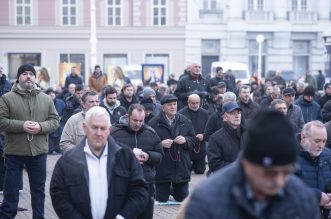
pixel 25 67
pixel 148 104
pixel 147 92
pixel 270 140
pixel 309 91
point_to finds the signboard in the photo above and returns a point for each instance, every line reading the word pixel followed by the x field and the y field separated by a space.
pixel 152 73
pixel 65 70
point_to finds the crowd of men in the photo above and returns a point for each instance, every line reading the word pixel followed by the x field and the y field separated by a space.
pixel 123 148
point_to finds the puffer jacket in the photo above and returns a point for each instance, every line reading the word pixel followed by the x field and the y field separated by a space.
pixel 176 164
pixel 316 173
pixel 18 106
pixel 145 139
pixel 294 114
pixel 310 110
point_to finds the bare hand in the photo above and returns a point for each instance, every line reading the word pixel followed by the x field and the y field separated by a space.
pixel 31 127
pixel 179 140
pixel 325 200
pixel 199 137
pixel 166 143
pixel 143 157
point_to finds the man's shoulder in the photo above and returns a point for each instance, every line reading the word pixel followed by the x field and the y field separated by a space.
pixel 75 118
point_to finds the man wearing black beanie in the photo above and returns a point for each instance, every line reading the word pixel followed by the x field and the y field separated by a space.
pixel 27 116
pixel 261 183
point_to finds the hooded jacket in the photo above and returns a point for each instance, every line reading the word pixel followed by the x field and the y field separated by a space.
pixel 18 106
pixel 310 110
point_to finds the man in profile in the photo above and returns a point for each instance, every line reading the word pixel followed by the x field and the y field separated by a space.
pixel 98 178
pixel 261 183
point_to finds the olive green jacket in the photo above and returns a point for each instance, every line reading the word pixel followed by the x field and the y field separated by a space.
pixel 18 106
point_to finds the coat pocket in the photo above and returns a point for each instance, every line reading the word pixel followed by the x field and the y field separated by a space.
pixel 122 180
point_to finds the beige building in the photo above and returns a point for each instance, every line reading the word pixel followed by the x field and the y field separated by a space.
pixel 174 33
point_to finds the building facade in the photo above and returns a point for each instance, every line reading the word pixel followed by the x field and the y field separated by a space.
pixel 174 33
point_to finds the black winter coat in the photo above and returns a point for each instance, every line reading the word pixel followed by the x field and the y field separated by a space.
pixel 186 86
pixel 69 188
pixel 176 164
pixel 224 147
pixel 199 120
pixel 117 113
pixel 125 103
pixel 145 139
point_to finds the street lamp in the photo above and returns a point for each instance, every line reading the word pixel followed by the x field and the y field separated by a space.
pixel 327 43
pixel 93 36
pixel 259 40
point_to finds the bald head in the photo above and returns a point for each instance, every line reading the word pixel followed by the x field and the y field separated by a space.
pixel 193 102
pixel 195 69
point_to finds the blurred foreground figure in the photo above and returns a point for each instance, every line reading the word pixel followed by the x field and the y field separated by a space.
pixel 261 183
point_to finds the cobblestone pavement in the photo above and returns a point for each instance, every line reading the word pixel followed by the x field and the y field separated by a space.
pixel 160 211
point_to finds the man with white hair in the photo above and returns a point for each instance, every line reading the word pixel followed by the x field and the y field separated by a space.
pixel 314 162
pixel 198 117
pixel 98 178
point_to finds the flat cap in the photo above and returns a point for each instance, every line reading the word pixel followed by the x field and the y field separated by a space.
pixel 168 99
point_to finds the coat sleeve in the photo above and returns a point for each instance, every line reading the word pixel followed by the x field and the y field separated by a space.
pixel 155 155
pixel 59 195
pixel 52 122
pixel 189 137
pixel 215 155
pixel 67 141
pixel 197 207
pixel 138 195
pixel 7 124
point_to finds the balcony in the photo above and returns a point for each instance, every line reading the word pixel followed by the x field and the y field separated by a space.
pixel 211 15
pixel 259 16
pixel 302 17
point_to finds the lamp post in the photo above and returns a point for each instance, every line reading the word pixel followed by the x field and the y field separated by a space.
pixel 327 43
pixel 93 37
pixel 259 40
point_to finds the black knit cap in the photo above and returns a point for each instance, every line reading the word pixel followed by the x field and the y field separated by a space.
pixel 25 67
pixel 270 140
pixel 148 104
pixel 309 91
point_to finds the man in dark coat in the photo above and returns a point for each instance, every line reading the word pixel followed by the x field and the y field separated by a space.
pixel 73 78
pixel 146 145
pixel 192 83
pixel 225 144
pixel 127 97
pixel 310 109
pixel 198 117
pixel 320 79
pixel 219 77
pixel 314 163
pixel 261 183
pixel 248 107
pixel 177 139
pixel 294 113
pixel 72 104
pixel 327 95
pixel 98 178
pixel 5 87
pixel 112 105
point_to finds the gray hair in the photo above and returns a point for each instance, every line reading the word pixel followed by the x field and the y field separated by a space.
pixel 306 130
pixel 97 111
pixel 229 97
pixel 275 102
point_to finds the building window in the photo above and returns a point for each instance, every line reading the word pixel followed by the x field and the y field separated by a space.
pixel 255 5
pixel 209 5
pixel 15 60
pixel 299 5
pixel 23 12
pixel 159 59
pixel 159 12
pixel 112 60
pixel 301 52
pixel 69 12
pixel 114 12
pixel 77 59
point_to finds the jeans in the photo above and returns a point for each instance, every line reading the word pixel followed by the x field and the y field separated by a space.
pixel 36 169
pixel 178 190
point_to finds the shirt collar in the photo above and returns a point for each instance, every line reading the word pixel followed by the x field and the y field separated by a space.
pixel 88 151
